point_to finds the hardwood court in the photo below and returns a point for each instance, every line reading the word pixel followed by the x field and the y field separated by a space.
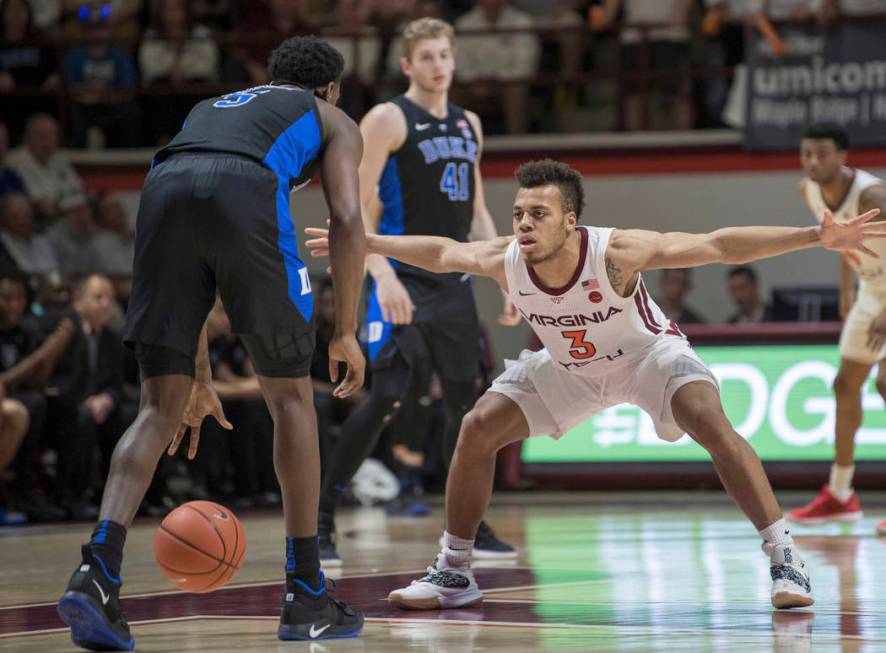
pixel 597 572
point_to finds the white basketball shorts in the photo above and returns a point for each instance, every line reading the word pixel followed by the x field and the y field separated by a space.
pixel 854 337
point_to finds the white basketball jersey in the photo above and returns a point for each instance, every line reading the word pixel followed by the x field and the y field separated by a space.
pixel 586 326
pixel 871 271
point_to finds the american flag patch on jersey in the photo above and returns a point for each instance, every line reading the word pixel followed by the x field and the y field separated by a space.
pixel 461 124
pixel 590 284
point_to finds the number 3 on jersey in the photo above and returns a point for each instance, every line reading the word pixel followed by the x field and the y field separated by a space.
pixel 455 182
pixel 579 348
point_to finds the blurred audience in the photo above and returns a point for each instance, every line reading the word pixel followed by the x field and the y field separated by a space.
pixel 174 53
pixel 10 180
pixel 29 252
pixel 47 173
pixel 356 39
pixel 86 411
pixel 496 68
pixel 72 237
pixel 26 62
pixel 262 29
pixel 744 287
pixel 101 79
pixel 662 45
pixel 26 365
pixel 673 287
pixel 120 16
pixel 114 242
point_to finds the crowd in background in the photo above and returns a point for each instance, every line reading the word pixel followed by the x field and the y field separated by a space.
pixel 124 73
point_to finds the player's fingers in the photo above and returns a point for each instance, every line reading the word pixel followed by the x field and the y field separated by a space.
pixel 333 369
pixel 867 250
pixel 319 253
pixel 194 442
pixel 386 312
pixel 219 415
pixel 317 231
pixel 397 313
pixel 827 218
pixel 864 217
pixel 176 440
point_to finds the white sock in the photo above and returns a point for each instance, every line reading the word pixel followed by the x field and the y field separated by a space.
pixel 841 481
pixel 776 535
pixel 457 551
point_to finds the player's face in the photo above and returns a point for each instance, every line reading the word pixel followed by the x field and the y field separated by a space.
pixel 540 225
pixel 821 159
pixel 431 65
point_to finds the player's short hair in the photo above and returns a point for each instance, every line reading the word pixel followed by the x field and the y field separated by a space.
pixel 830 131
pixel 307 61
pixel 548 172
pixel 743 270
pixel 423 29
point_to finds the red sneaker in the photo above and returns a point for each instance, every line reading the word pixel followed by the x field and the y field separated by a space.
pixel 826 507
pixel 881 528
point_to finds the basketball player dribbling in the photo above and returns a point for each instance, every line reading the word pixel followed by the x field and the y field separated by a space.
pixel 831 185
pixel 422 160
pixel 215 213
pixel 606 342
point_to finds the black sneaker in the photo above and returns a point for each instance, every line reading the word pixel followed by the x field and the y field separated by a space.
pixel 91 607
pixel 488 547
pixel 326 546
pixel 312 614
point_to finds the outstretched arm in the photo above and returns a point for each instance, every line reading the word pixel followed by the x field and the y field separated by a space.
pixel 633 250
pixel 432 253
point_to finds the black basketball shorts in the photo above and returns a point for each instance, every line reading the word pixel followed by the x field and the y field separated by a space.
pixel 211 222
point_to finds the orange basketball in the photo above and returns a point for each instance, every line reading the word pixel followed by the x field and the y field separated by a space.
pixel 200 546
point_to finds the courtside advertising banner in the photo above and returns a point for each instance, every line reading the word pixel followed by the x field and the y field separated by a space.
pixel 836 75
pixel 778 397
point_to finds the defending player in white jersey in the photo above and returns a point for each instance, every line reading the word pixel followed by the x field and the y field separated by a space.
pixel 831 185
pixel 606 342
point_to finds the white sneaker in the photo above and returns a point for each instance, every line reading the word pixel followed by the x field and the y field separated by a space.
pixel 790 579
pixel 443 587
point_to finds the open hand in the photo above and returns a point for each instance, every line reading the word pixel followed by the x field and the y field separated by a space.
pixel 850 236
pixel 204 401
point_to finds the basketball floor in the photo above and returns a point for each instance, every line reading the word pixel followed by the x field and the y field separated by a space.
pixel 597 572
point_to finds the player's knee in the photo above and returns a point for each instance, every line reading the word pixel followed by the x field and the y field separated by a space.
pixel 477 435
pixel 290 406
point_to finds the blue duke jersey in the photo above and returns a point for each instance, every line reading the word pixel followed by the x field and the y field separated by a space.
pixel 427 188
pixel 279 128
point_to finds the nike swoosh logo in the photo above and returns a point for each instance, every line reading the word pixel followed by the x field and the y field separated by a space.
pixel 315 633
pixel 421 126
pixel 524 294
pixel 105 597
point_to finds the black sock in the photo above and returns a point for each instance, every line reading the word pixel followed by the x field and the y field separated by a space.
pixel 303 561
pixel 106 544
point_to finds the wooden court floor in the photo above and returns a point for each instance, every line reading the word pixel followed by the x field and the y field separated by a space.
pixel 597 572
